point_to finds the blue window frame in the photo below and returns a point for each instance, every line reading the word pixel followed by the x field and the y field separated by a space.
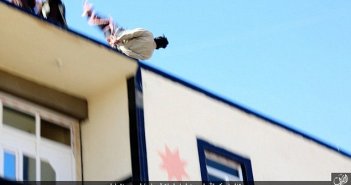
pixel 220 165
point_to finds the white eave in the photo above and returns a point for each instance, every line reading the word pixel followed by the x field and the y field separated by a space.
pixel 41 52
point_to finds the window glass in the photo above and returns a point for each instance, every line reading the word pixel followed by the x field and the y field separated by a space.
pixel 19 120
pixel 55 132
pixel 220 168
pixel 9 165
pixel 29 168
pixel 47 172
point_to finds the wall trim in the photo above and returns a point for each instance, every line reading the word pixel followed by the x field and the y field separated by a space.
pixel 144 170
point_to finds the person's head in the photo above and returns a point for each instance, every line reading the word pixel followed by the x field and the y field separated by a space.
pixel 161 42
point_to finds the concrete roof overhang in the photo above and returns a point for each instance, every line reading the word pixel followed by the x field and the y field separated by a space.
pixel 60 59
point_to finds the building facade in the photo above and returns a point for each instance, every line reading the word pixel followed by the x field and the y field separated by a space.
pixel 76 110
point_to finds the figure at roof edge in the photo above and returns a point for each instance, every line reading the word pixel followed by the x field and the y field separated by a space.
pixel 137 43
pixel 52 10
pixel 28 5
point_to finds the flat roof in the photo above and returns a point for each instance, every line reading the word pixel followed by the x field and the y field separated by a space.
pixel 44 53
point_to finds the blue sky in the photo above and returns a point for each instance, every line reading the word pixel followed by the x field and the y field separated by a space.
pixel 288 60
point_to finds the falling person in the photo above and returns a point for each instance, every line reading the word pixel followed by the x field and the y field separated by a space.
pixel 137 43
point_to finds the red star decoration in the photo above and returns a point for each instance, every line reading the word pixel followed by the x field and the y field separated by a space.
pixel 172 163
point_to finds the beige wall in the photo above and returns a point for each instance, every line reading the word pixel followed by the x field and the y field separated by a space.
pixel 175 116
pixel 105 135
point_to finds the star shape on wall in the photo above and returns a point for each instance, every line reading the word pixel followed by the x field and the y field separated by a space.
pixel 172 163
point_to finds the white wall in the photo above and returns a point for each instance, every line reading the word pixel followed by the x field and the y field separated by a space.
pixel 105 135
pixel 176 115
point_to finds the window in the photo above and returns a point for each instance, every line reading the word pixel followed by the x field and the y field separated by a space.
pixel 29 168
pixel 47 172
pixel 220 165
pixel 9 165
pixel 36 144
pixel 55 132
pixel 18 120
pixel 25 122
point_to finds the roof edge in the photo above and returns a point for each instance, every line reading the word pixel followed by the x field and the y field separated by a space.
pixel 244 109
pixel 65 29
